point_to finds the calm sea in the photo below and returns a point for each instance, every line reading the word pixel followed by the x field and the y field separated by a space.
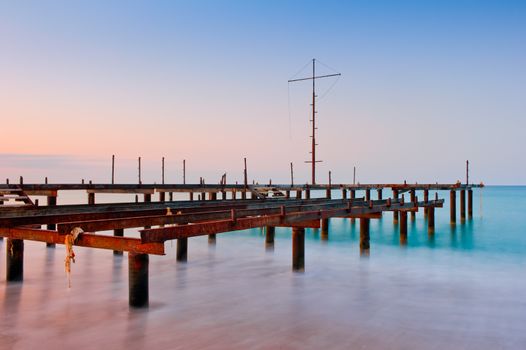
pixel 462 288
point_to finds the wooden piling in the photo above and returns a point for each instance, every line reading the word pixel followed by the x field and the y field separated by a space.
pixel 367 195
pixel 431 220
pixel 51 202
pixel 462 205
pixel 307 193
pixel 182 249
pixel 212 239
pixel 298 249
pixel 147 198
pixel 344 193
pixel 162 196
pixel 269 235
pixel 395 213
pixel 118 232
pixel 298 194
pixel 138 279
pixel 112 169
pixel 380 194
pixel 364 235
pixel 426 199
pixel 453 206
pixel 14 260
pixel 324 229
pixel 413 198
pixel 470 203
pixel 403 227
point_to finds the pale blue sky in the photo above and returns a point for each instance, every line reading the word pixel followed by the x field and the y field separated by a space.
pixel 425 86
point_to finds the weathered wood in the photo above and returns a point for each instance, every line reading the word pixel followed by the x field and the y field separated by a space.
pixel 182 249
pixel 298 249
pixel 85 240
pixel 453 206
pixel 14 260
pixel 364 235
pixel 462 205
pixel 138 279
pixel 470 203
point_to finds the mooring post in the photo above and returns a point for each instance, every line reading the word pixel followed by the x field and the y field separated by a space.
pixel 329 191
pixel 453 206
pixel 413 199
pixel 182 249
pixel 344 193
pixel 138 279
pixel 368 194
pixel 324 229
pixel 395 213
pixel 51 202
pixel 470 203
pixel 269 235
pixel 14 260
pixel 191 196
pixel 462 205
pixel 364 235
pixel 171 196
pixel 307 192
pixel 298 249
pixel 162 196
pixel 91 198
pixel 431 220
pixel 380 194
pixel 403 227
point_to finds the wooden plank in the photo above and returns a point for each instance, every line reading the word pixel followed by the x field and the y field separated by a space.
pixel 86 240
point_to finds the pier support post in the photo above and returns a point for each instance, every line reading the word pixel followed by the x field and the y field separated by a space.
pixel 191 195
pixel 51 202
pixel 269 235
pixel 298 249
pixel 212 239
pixel 298 194
pixel 413 198
pixel 91 198
pixel 182 249
pixel 344 193
pixel 14 260
pixel 287 194
pixel 328 193
pixel 147 197
pixel 118 232
pixel 307 193
pixel 470 203
pixel 364 236
pixel 395 213
pixel 367 195
pixel 453 206
pixel 380 194
pixel 403 227
pixel 138 279
pixel 426 199
pixel 324 229
pixel 162 196
pixel 431 220
pixel 463 205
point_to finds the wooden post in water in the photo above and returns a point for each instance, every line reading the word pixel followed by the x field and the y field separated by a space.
pixel 431 220
pixel 324 229
pixel 307 192
pixel 118 232
pixel 470 204
pixel 298 194
pixel 403 227
pixel 269 235
pixel 364 236
pixel 426 199
pixel 453 206
pixel 395 213
pixel 344 193
pixel 138 279
pixel 298 249
pixel 14 260
pixel 182 249
pixel 413 198
pixel 380 194
pixel 245 180
pixel 462 205
pixel 329 191
pixel 212 239
pixel 352 196
pixel 140 180
pixel 162 196
pixel 51 202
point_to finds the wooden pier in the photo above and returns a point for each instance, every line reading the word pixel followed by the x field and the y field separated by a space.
pixel 208 210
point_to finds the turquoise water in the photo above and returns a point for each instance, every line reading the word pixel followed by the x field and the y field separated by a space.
pixel 462 288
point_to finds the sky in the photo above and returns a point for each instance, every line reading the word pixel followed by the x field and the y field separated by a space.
pixel 425 86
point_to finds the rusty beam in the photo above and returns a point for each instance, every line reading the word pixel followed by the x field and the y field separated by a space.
pixel 86 240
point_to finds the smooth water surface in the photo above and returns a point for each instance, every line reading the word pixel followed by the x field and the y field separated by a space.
pixel 462 288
